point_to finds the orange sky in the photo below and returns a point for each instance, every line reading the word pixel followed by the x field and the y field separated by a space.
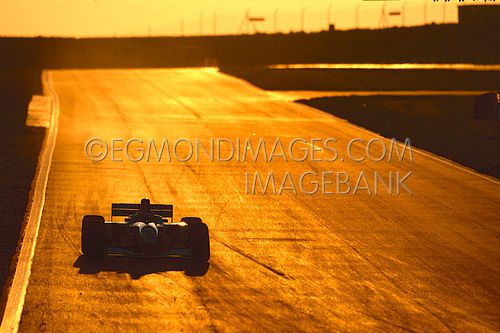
pixel 156 17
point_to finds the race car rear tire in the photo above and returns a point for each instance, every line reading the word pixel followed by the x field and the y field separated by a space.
pixel 93 237
pixel 191 220
pixel 199 240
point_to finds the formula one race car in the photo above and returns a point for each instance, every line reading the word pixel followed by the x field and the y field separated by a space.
pixel 147 231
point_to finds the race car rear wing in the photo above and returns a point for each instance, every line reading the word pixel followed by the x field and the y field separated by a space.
pixel 127 209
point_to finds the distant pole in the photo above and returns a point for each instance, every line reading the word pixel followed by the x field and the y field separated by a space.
pixel 302 18
pixel 444 12
pixel 276 20
pixel 356 16
pixel 329 16
pixel 247 20
pixel 403 16
pixel 201 23
pixel 182 27
pixel 383 17
pixel 425 12
pixel 242 25
pixel 215 23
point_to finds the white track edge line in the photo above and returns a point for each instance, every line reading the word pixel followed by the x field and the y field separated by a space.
pixel 16 296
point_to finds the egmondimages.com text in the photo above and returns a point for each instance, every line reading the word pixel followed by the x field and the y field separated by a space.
pixel 264 153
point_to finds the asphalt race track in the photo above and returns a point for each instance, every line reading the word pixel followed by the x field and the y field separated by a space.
pixel 422 261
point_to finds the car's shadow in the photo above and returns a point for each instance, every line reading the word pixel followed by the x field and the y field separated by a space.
pixel 137 267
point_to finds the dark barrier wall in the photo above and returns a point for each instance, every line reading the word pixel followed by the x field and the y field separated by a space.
pixel 426 44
